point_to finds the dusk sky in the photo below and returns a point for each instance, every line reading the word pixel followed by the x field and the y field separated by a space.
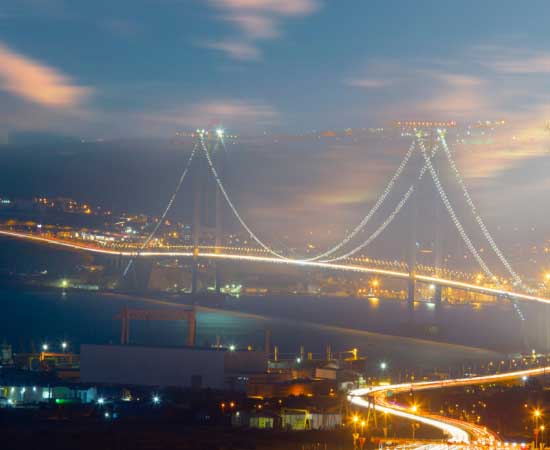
pixel 151 66
pixel 148 68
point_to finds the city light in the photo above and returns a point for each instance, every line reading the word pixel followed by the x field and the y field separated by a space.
pixel 232 348
pixel 100 401
pixel 45 347
pixel 383 365
pixel 321 265
pixel 64 345
pixel 156 399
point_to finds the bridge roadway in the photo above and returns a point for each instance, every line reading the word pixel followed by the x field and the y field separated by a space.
pixel 272 260
pixel 458 432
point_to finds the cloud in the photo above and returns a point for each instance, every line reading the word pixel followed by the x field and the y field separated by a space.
pixel 513 61
pixel 231 112
pixel 38 83
pixel 369 83
pixel 256 20
pixel 240 50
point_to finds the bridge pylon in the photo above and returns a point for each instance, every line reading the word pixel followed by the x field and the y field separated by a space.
pixel 438 294
pixel 208 141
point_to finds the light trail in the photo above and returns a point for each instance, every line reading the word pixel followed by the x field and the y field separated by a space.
pixel 274 260
pixel 458 431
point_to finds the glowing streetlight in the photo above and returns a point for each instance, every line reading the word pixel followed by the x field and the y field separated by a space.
pixel 414 409
pixel 383 365
pixel 219 132
pixel 232 348
pixel 45 347
pixel 64 345
pixel 156 399
pixel 100 401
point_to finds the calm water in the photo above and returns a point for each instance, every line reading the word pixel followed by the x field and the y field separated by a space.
pixel 81 317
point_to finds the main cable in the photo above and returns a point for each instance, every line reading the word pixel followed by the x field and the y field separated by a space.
pixel 167 209
pixel 390 218
pixel 451 211
pixel 477 217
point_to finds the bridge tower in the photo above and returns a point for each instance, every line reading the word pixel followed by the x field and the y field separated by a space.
pixel 438 235
pixel 198 177
pixel 201 210
pixel 219 160
pixel 412 251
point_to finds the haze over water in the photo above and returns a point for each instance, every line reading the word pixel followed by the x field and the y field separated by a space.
pixel 83 317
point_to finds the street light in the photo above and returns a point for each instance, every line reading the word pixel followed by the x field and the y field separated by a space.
pixel 355 419
pixel 536 416
pixel 383 365
pixel 64 345
pixel 45 347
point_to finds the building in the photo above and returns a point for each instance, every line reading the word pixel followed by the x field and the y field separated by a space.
pixel 181 367
pixel 186 367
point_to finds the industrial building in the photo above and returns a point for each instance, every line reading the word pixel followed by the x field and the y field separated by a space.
pixel 182 367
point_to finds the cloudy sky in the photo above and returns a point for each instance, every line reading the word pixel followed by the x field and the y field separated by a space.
pixel 102 67
pixel 146 68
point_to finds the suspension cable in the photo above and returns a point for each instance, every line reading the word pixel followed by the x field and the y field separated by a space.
pixel 350 236
pixel 478 218
pixel 166 210
pixel 373 210
pixel 232 207
pixel 389 219
pixel 451 211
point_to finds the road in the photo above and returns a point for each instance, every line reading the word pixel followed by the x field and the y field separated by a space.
pixel 458 432
pixel 80 246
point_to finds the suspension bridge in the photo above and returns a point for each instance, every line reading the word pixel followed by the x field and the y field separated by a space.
pixel 207 157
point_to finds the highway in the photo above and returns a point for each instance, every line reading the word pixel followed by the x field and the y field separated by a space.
pixel 273 260
pixel 458 432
